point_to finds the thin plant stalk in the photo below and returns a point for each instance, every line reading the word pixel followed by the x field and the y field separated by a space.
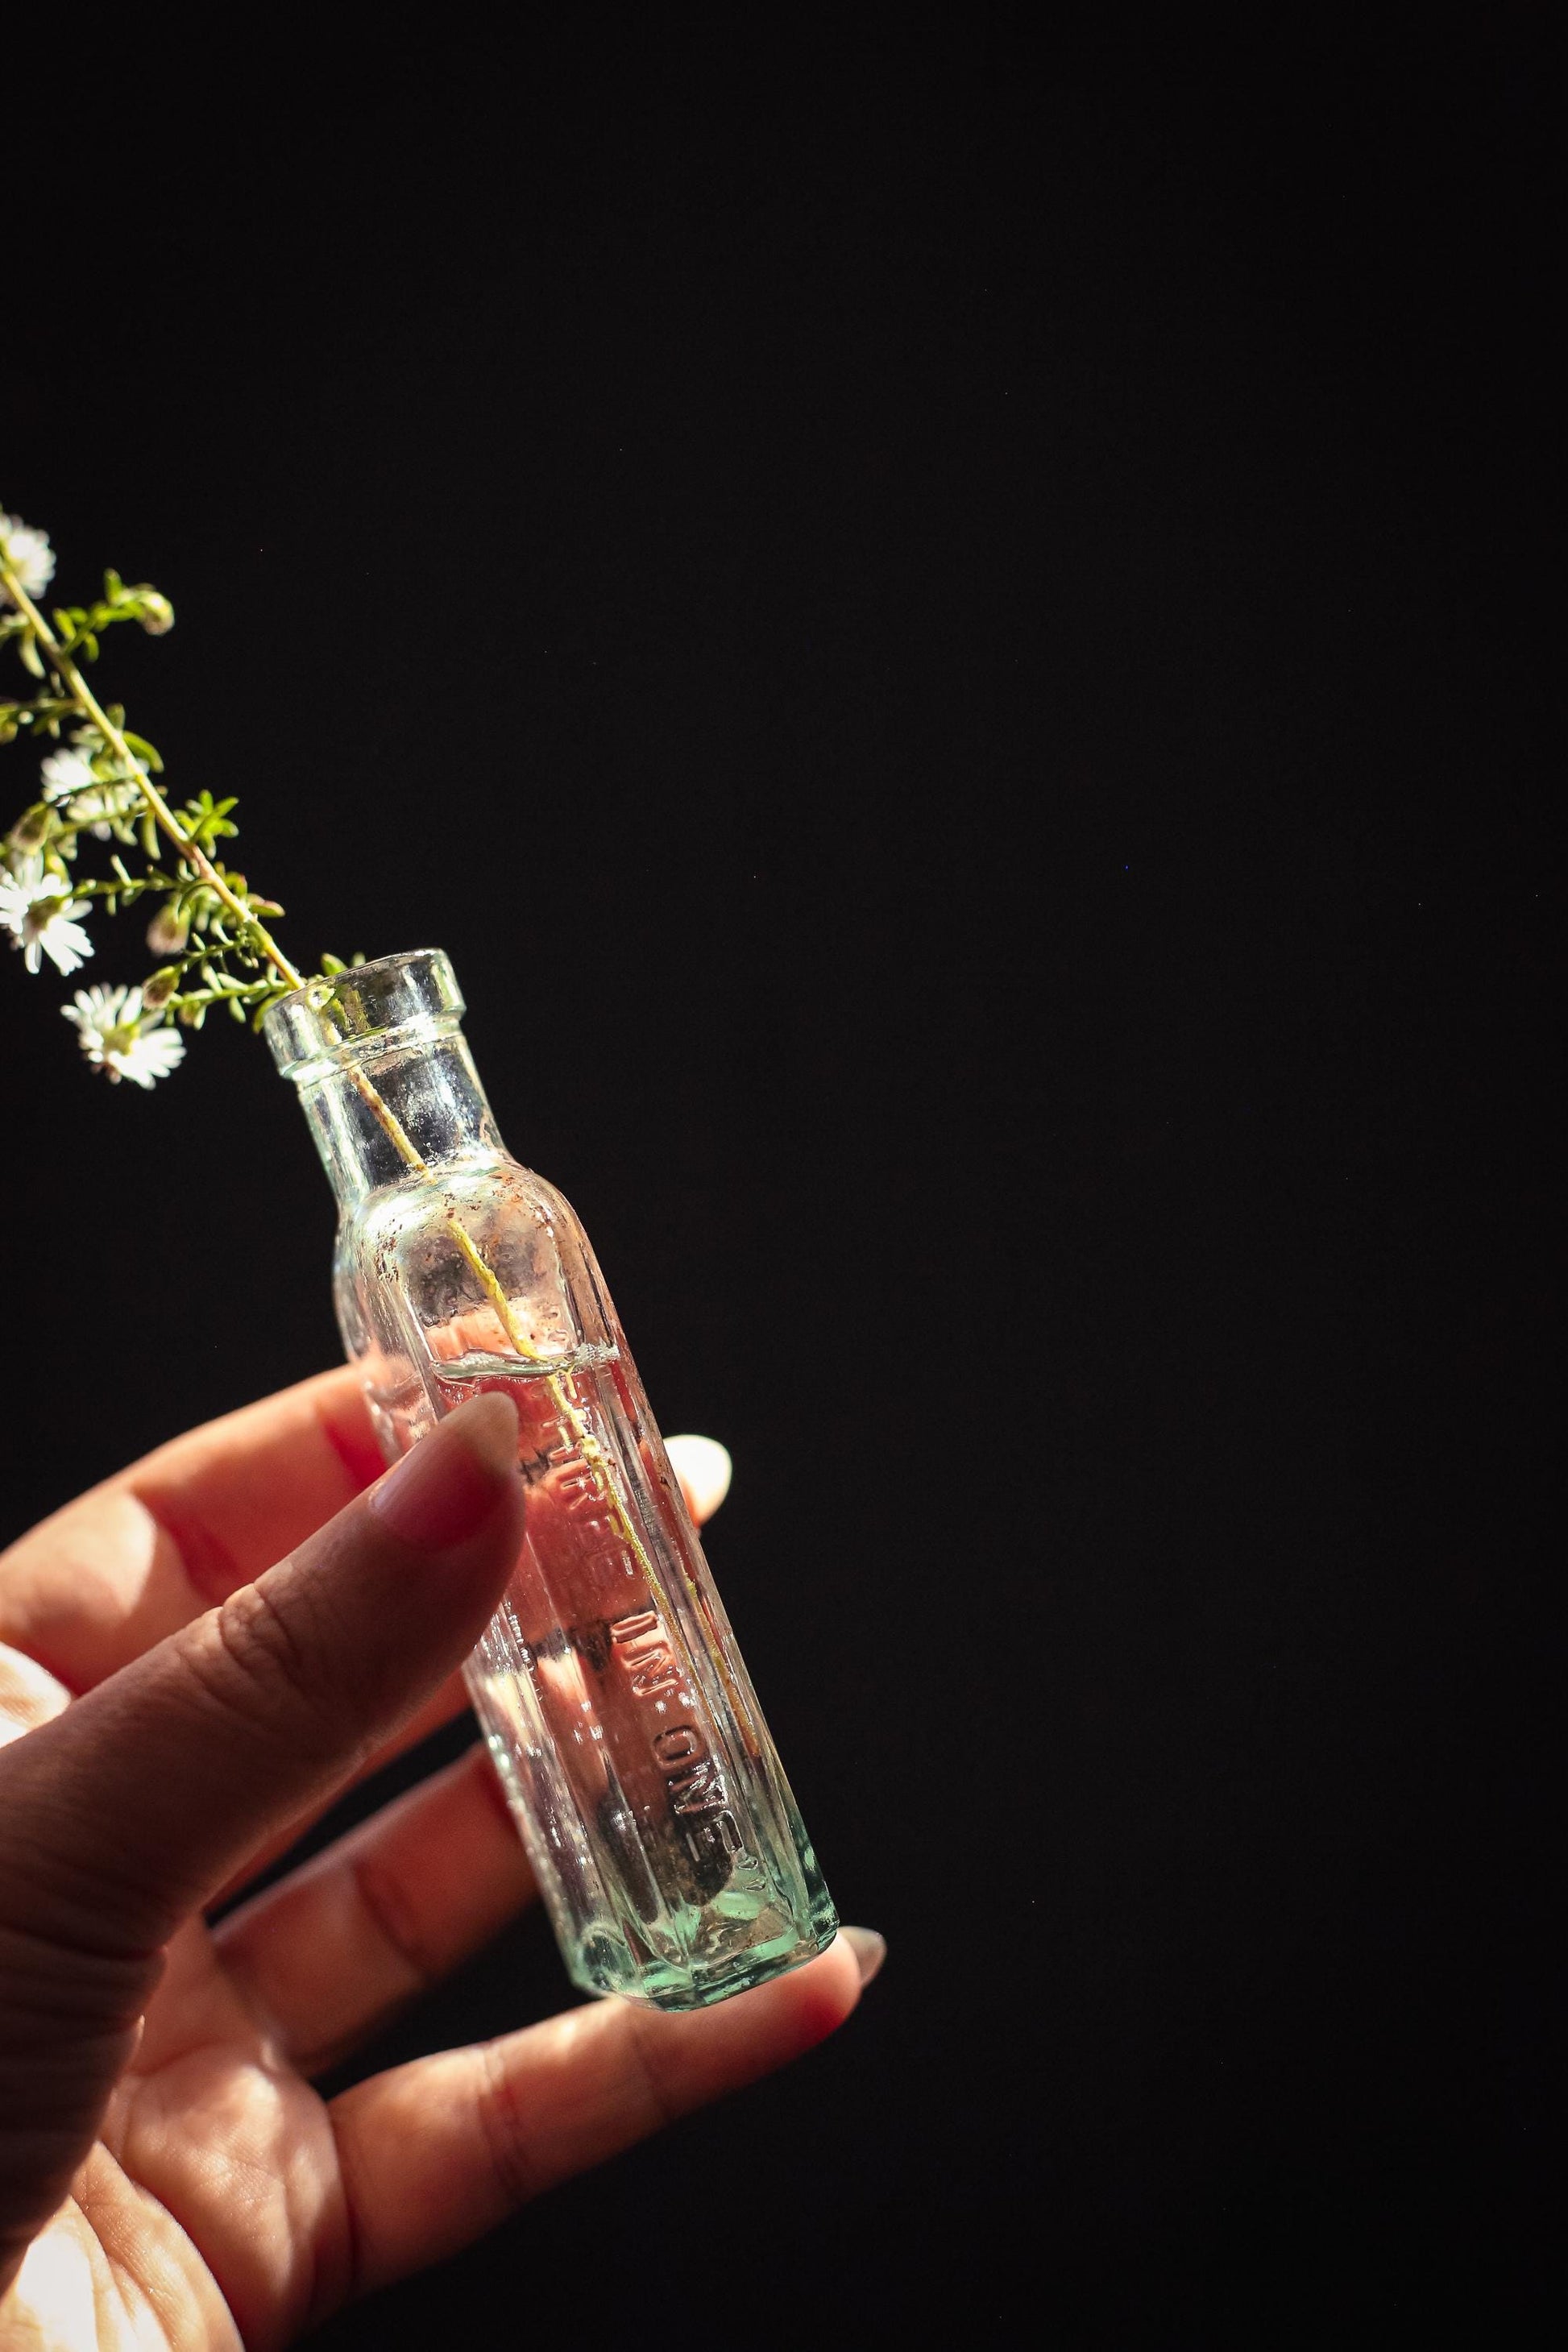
pixel 86 702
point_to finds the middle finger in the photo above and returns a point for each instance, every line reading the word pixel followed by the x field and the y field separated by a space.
pixel 337 1948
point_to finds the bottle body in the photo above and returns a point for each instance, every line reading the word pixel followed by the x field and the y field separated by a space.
pixel 660 1828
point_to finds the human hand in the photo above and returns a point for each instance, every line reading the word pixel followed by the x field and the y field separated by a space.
pixel 177 1710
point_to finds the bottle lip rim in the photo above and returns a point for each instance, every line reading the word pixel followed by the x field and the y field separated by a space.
pixel 308 993
pixel 304 1041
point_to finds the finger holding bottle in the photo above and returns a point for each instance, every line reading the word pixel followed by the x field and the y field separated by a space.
pixel 119 1815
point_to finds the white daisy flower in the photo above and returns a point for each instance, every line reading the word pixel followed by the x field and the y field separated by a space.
pixel 96 808
pixel 122 1040
pixel 29 553
pixel 65 773
pixel 37 909
pixel 70 785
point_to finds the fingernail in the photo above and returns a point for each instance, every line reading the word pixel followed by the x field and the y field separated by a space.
pixel 869 1949
pixel 447 1486
pixel 703 1468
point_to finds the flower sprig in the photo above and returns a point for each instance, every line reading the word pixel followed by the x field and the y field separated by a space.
pixel 209 926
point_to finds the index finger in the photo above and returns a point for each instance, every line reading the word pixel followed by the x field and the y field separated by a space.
pixel 106 1577
pixel 130 1562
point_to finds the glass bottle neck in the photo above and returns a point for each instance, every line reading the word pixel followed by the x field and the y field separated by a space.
pixel 382 1113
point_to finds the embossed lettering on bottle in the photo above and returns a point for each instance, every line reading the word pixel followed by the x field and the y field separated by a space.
pixel 693 1777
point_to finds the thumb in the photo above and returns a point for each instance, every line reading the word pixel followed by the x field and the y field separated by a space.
pixel 118 1816
pixel 122 1814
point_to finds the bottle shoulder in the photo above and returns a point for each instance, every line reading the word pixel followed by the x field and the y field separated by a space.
pixel 422 1195
pixel 483 1256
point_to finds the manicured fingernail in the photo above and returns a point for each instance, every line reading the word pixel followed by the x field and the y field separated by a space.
pixel 446 1489
pixel 703 1468
pixel 869 1949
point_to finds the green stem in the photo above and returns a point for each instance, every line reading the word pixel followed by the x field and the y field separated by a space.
pixel 157 807
pixel 86 702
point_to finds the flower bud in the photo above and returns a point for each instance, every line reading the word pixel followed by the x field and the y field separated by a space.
pixel 157 614
pixel 156 992
pixel 31 828
pixel 167 932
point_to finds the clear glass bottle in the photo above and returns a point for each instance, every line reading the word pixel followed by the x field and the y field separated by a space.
pixel 659 1822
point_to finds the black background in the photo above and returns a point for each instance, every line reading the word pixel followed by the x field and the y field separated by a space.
pixel 950 629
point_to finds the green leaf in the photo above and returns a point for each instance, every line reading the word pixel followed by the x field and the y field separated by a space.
pixel 143 751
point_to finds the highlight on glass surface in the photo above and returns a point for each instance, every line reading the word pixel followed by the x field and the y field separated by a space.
pixel 628 1737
